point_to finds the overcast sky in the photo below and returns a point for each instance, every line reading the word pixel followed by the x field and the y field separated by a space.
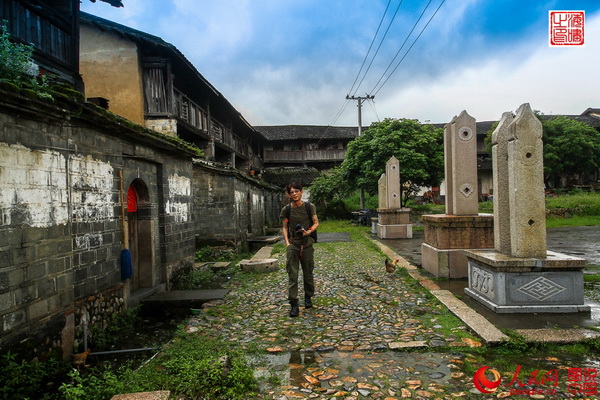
pixel 294 61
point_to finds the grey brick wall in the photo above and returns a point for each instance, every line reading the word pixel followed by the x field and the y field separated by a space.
pixel 60 214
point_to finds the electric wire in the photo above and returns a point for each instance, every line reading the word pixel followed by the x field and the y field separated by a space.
pixel 403 44
pixel 407 51
pixel 370 46
pixel 379 47
pixel 372 104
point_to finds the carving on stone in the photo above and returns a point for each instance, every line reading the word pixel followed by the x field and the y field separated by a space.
pixel 482 281
pixel 465 133
pixel 529 155
pixel 541 288
pixel 466 189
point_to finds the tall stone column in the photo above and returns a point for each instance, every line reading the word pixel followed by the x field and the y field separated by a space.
pixel 500 184
pixel 462 227
pixel 460 144
pixel 526 185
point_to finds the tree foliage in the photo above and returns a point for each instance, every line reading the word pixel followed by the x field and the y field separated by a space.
pixel 418 147
pixel 330 185
pixel 571 147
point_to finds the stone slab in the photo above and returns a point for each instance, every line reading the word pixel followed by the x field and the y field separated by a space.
pixel 260 265
pixel 158 395
pixel 445 231
pixel 476 322
pixel 505 262
pixel 557 335
pixel 176 296
pixel 403 231
pixel 264 252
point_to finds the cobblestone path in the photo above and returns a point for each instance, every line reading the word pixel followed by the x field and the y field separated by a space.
pixel 371 335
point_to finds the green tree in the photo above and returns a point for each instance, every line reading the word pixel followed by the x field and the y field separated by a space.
pixel 571 148
pixel 330 185
pixel 418 147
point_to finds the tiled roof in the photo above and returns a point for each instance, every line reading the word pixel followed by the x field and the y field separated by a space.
pixel 290 132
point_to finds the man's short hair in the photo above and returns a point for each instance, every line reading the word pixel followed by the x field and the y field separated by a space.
pixel 293 185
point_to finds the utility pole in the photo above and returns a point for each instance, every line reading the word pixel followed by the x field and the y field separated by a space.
pixel 359 105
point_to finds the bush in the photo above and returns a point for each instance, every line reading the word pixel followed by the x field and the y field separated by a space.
pixel 21 379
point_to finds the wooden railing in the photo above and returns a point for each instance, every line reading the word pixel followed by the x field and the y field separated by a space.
pixel 305 155
pixel 156 89
pixel 190 112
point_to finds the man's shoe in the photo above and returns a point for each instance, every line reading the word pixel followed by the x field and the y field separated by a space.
pixel 294 310
pixel 308 302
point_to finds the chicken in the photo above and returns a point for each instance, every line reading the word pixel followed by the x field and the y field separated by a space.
pixel 79 359
pixel 390 266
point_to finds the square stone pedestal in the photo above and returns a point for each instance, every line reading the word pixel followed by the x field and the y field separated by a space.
pixel 444 263
pixel 401 231
pixel 446 238
pixel 394 223
pixel 525 285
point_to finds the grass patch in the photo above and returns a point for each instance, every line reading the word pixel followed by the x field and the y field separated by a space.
pixel 558 222
pixel 591 278
pixel 578 204
pixel 192 366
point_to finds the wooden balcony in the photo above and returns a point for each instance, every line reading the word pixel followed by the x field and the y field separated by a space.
pixel 315 155
pixel 49 30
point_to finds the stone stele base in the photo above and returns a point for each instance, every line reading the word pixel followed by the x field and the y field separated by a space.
pixel 444 263
pixel 394 223
pixel 401 231
pixel 446 236
pixel 525 285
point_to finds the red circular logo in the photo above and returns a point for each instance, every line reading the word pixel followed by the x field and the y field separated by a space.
pixel 483 384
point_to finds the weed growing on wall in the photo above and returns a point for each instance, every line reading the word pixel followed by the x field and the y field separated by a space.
pixel 17 66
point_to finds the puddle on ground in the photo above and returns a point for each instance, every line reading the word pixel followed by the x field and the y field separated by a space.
pixel 364 372
pixel 372 374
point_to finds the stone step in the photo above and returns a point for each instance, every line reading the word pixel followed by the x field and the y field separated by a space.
pixel 264 252
pixel 158 395
pixel 260 265
pixel 184 298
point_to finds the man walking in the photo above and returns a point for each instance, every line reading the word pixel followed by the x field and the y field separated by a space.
pixel 300 223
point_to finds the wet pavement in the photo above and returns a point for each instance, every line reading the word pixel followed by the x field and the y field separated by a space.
pixel 371 334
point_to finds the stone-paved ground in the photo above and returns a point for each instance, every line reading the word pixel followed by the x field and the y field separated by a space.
pixel 348 345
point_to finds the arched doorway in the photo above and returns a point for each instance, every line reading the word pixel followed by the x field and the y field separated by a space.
pixel 141 245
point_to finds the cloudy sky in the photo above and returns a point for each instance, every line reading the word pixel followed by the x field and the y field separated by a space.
pixel 295 61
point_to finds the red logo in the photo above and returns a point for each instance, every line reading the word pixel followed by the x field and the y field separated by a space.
pixel 566 28
pixel 483 384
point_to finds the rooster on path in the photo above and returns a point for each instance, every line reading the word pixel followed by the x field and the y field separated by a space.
pixel 390 266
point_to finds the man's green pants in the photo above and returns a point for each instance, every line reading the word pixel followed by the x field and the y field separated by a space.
pixel 294 261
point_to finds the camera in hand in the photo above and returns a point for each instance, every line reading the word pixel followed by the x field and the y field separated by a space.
pixel 299 228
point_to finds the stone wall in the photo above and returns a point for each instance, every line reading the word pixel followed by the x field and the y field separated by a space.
pixel 230 206
pixel 61 231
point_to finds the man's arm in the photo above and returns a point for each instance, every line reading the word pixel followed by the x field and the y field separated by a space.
pixel 286 240
pixel 314 226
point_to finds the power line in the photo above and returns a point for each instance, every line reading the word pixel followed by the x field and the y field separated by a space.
pixel 403 43
pixel 372 104
pixel 379 47
pixel 370 46
pixel 407 51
